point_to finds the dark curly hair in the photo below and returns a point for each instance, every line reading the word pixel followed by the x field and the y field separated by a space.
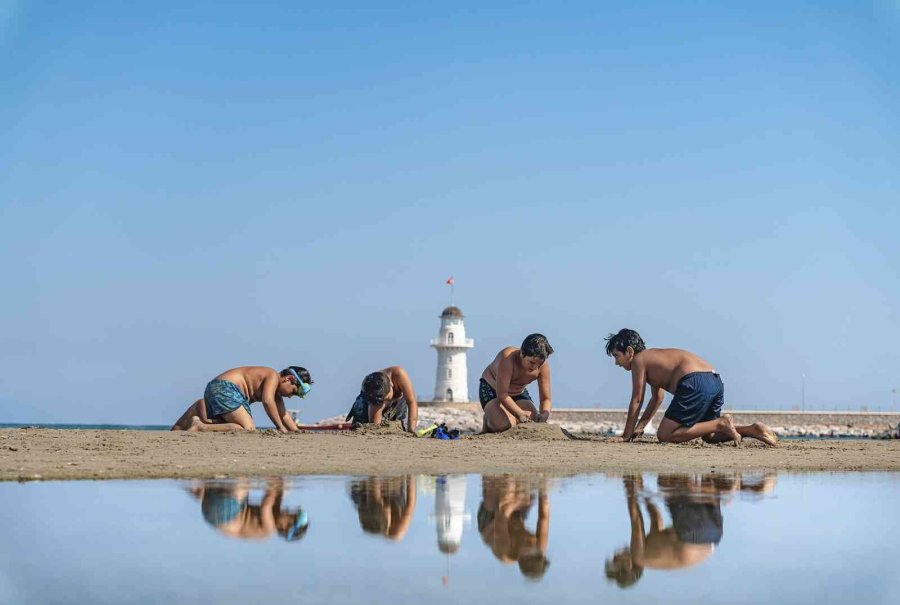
pixel 375 386
pixel 624 339
pixel 536 345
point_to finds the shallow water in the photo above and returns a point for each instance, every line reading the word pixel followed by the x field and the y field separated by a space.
pixel 735 538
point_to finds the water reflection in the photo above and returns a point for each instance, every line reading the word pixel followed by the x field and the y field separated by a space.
pixel 450 511
pixel 506 502
pixel 694 505
pixel 385 505
pixel 235 509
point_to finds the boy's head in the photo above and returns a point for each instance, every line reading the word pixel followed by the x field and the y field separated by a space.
pixel 623 346
pixel 292 524
pixel 535 350
pixel 295 380
pixel 375 388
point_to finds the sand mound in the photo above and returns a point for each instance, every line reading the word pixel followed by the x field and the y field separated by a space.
pixel 533 431
pixel 385 429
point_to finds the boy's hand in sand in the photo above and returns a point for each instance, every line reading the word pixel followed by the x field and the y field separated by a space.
pixel 541 416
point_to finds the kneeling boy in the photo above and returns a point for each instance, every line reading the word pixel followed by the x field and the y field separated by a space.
pixel 386 395
pixel 501 390
pixel 226 402
pixel 698 392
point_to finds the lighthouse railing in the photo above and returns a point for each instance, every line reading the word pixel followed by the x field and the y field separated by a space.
pixel 468 343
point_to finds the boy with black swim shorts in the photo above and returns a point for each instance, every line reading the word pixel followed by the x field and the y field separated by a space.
pixel 225 405
pixel 501 390
pixel 387 394
pixel 699 394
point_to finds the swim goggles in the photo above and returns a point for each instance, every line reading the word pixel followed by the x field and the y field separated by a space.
pixel 300 523
pixel 302 387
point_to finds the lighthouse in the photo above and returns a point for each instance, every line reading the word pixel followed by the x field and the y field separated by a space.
pixel 451 379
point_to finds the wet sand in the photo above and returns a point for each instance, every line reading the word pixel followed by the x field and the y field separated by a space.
pixel 35 454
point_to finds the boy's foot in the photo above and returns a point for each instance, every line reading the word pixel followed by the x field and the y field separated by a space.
pixel 196 425
pixel 758 430
pixel 727 427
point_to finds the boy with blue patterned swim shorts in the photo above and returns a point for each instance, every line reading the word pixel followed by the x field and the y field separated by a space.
pixel 226 401
pixel 699 394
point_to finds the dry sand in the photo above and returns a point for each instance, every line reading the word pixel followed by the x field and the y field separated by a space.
pixel 33 454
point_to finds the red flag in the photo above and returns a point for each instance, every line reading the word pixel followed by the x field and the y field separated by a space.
pixel 450 281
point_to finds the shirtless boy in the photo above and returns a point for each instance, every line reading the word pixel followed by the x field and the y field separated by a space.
pixel 696 408
pixel 226 402
pixel 386 395
pixel 501 390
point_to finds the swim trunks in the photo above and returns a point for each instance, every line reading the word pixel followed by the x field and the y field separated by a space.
pixel 699 397
pixel 219 506
pixel 695 522
pixel 396 410
pixel 222 397
pixel 486 392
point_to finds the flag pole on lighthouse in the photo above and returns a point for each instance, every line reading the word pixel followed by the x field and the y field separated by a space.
pixel 450 283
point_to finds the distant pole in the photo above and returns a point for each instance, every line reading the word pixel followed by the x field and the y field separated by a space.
pixel 894 399
pixel 802 392
pixel 449 282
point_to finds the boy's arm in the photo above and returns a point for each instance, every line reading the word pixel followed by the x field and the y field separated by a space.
pixel 409 393
pixel 544 393
pixel 504 375
pixel 638 386
pixel 656 399
pixel 269 388
pixel 285 417
pixel 375 413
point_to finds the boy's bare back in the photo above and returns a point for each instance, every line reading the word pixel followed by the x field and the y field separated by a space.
pixel 665 367
pixel 249 379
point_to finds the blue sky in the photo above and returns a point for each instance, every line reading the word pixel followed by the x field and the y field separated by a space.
pixel 188 188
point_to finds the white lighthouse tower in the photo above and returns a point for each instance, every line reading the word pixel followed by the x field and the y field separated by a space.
pixel 451 380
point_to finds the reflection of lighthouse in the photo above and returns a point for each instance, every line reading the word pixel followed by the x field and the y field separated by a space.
pixel 452 375
pixel 449 511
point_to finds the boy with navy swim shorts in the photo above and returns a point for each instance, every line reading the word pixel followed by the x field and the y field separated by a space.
pixel 505 400
pixel 226 401
pixel 699 394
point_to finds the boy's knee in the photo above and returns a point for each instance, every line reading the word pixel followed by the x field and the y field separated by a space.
pixel 499 425
pixel 665 437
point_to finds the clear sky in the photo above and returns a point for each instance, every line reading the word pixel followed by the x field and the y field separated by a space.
pixel 188 187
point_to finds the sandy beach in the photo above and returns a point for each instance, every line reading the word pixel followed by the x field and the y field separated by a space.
pixel 46 454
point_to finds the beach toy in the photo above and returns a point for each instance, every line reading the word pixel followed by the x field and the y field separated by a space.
pixel 426 432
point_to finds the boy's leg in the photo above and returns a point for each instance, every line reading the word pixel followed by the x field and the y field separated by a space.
pixel 234 420
pixel 670 431
pixel 757 430
pixel 496 418
pixel 184 423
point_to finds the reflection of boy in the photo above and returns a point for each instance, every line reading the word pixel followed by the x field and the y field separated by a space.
pixel 226 507
pixel 226 401
pixel 385 504
pixel 696 529
pixel 501 390
pixel 699 394
pixel 386 395
pixel 505 504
